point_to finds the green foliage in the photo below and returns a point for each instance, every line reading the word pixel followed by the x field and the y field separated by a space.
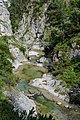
pixel 6 75
pixel 56 90
pixel 70 75
pixel 18 7
pixel 23 49
pixel 6 111
pixel 55 73
pixel 16 10
pixel 36 117
pixel 75 99
pixel 63 18
pixel 64 22
pixel 55 20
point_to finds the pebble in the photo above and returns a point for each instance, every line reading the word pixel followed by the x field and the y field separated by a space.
pixel 59 103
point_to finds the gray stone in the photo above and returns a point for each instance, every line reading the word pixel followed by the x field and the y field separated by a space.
pixel 42 59
pixel 5 24
pixel 20 101
pixel 18 55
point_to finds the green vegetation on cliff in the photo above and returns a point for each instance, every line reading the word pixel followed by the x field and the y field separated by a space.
pixel 18 7
pixel 16 10
pixel 62 31
pixel 6 75
pixel 7 112
pixel 63 19
pixel 7 78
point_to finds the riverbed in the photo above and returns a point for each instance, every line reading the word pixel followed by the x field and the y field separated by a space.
pixel 46 104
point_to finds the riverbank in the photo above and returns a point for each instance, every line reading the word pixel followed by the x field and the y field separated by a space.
pixel 58 101
pixel 46 105
pixel 52 85
pixel 40 90
pixel 47 86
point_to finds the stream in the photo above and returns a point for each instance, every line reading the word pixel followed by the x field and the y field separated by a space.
pixel 46 106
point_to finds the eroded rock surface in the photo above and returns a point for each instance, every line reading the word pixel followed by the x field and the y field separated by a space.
pixel 21 102
pixel 53 86
pixel 5 23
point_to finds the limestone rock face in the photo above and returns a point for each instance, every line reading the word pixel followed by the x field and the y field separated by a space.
pixel 32 27
pixel 20 101
pixel 18 55
pixel 29 35
pixel 5 24
pixel 30 32
pixel 53 86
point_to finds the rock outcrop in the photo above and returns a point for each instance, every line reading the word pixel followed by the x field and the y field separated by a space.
pixel 20 101
pixel 5 24
pixel 29 35
pixel 18 55
pixel 53 86
pixel 30 32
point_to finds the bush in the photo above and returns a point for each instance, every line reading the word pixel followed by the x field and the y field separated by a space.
pixel 23 49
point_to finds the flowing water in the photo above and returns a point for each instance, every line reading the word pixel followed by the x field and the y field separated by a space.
pixel 46 106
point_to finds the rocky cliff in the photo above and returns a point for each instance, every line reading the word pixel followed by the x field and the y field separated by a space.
pixel 31 30
pixel 43 33
pixel 25 43
pixel 5 23
pixel 28 43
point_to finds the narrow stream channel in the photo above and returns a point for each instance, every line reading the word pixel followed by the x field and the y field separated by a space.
pixel 46 106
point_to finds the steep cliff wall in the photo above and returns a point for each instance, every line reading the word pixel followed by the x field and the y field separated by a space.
pixel 5 23
pixel 28 28
pixel 10 47
pixel 31 29
pixel 29 24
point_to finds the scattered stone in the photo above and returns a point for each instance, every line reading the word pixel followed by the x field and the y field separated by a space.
pixel 66 106
pixel 33 53
pixel 59 103
pixel 42 59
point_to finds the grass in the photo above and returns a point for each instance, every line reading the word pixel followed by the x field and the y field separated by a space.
pixel 29 72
